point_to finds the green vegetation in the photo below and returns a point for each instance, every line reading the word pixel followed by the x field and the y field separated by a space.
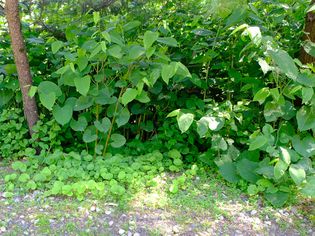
pixel 135 90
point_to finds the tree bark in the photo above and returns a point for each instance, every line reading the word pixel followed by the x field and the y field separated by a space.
pixel 309 34
pixel 21 61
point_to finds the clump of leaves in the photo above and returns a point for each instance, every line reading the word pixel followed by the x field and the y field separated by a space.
pixel 73 174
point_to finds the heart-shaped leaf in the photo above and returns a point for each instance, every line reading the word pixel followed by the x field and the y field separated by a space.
pixel 90 134
pixel 83 84
pixel 117 140
pixel 103 125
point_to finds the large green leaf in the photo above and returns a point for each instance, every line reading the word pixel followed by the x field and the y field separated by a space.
pixel 273 111
pixel 184 121
pixel 55 46
pixel 247 170
pixel 89 134
pixel 48 93
pixel 214 123
pixel 297 173
pixel 285 63
pixel 129 96
pixel 83 102
pixel 149 38
pixel 131 25
pixel 103 125
pixel 280 169
pixel 305 147
pixel 309 46
pixel 63 114
pixel 83 84
pixel 5 97
pixel 123 117
pixel 309 188
pixel 168 41
pixel 306 79
pixel 117 140
pixel 306 118
pixel 82 62
pixel 168 71
pixel 228 172
pixel 79 125
pixel 277 199
pixel 115 51
pixel 257 142
pixel 261 95
pixel 135 52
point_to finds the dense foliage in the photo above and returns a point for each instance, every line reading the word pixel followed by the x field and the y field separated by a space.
pixel 129 91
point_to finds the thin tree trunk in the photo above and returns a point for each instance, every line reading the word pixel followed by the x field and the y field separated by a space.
pixel 21 61
pixel 309 35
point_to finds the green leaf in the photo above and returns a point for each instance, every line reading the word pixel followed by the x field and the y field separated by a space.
pixel 103 125
pixel 285 155
pixel 117 140
pixel 277 199
pixel 202 127
pixel 246 170
pixel 135 52
pixel 79 125
pixel 306 79
pixel 48 100
pixel 312 8
pixel 131 25
pixel 297 173
pixel 48 92
pixel 285 63
pixel 272 111
pixel 5 97
pixel 309 188
pixel 305 147
pixel 309 46
pixel 168 71
pixel 129 96
pixel 168 41
pixel 280 169
pixel 18 165
pixel 184 121
pixel 143 97
pixel 214 123
pixel 261 95
pixel 89 134
pixel 63 114
pixel 32 91
pixel 228 172
pixel 82 84
pixel 257 142
pixel 149 38
pixel 173 113
pixel 123 117
pixel 252 189
pixel 306 118
pixel 24 178
pixel 55 46
pixel 83 102
pixel 82 62
pixel 183 70
pixel 96 17
pixel 307 94
pixel 115 51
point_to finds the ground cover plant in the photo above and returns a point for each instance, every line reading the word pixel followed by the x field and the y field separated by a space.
pixel 126 92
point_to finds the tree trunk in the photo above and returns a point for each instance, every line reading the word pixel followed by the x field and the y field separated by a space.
pixel 21 61
pixel 309 31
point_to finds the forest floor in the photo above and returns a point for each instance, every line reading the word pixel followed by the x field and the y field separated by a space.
pixel 206 207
